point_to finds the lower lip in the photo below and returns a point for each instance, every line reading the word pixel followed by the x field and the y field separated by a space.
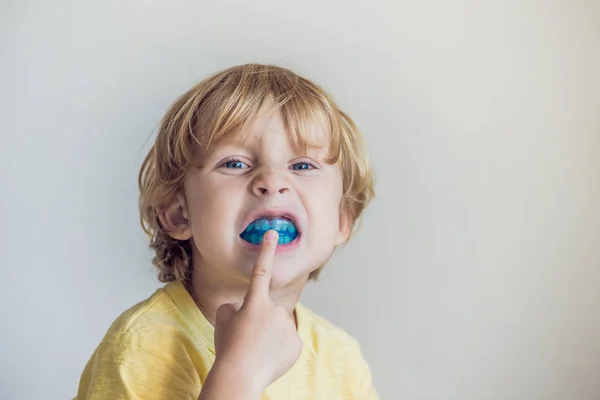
pixel 281 248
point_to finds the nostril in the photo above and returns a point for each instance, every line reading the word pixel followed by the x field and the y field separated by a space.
pixel 263 190
pixel 283 190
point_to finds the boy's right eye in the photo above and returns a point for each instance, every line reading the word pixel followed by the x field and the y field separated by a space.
pixel 235 164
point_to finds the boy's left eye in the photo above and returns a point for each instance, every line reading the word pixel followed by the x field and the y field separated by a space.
pixel 235 164
pixel 301 166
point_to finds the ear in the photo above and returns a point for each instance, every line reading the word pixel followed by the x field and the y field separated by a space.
pixel 346 224
pixel 174 218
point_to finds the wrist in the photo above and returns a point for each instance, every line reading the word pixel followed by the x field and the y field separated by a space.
pixel 237 382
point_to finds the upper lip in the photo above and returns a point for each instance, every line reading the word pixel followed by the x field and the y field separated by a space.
pixel 273 213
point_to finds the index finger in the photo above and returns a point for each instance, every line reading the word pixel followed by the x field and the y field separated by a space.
pixel 261 273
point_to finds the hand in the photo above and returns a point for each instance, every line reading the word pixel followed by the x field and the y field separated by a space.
pixel 256 342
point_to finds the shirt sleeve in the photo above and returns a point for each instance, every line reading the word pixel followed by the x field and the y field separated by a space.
pixel 367 389
pixel 371 393
pixel 132 367
pixel 364 388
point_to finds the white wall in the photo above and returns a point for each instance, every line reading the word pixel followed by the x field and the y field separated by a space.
pixel 477 272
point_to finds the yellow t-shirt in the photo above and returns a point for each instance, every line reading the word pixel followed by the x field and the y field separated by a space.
pixel 163 348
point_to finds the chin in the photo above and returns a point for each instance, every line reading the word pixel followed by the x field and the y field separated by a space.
pixel 285 274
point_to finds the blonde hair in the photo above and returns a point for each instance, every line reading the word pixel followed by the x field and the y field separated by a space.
pixel 222 105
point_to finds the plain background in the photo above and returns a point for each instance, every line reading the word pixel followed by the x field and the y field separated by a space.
pixel 476 274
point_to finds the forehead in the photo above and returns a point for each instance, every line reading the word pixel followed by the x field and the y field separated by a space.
pixel 270 128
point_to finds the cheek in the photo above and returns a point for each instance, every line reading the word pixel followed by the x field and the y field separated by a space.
pixel 325 204
pixel 213 211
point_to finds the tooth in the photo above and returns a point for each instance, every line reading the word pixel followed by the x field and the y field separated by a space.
pixel 280 224
pixel 265 225
pixel 274 224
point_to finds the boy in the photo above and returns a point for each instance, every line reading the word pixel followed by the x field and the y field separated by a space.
pixel 256 176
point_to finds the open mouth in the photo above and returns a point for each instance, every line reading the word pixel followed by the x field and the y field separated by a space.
pixel 255 231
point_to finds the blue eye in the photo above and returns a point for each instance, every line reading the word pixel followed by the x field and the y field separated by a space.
pixel 235 164
pixel 301 165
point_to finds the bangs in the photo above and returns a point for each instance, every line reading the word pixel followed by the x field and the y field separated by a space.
pixel 237 98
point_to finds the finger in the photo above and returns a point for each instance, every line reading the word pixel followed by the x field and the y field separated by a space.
pixel 225 311
pixel 261 273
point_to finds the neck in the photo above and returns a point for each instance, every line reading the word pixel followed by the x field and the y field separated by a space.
pixel 210 291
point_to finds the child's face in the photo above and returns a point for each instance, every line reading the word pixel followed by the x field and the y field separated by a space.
pixel 239 181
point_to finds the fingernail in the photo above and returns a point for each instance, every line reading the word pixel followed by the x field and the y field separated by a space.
pixel 271 236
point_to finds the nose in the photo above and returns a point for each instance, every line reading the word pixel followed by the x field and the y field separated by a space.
pixel 270 181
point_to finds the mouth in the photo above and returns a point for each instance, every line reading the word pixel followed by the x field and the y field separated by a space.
pixel 285 226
